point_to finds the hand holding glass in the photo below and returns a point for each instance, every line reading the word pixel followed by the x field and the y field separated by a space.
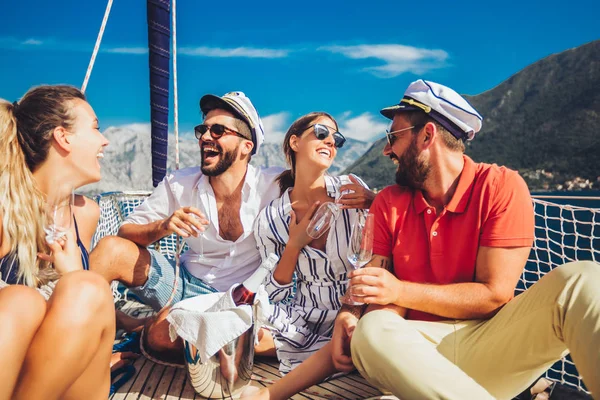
pixel 325 215
pixel 360 248
pixel 58 215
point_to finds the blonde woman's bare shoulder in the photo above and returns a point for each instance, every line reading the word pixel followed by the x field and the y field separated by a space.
pixel 87 214
pixel 86 210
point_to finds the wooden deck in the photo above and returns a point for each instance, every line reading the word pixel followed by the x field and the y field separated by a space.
pixel 153 381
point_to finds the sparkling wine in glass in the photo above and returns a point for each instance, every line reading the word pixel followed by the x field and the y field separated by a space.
pixel 326 214
pixel 197 203
pixel 58 212
pixel 360 247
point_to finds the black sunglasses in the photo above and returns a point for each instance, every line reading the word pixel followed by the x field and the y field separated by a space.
pixel 322 132
pixel 216 131
pixel 392 136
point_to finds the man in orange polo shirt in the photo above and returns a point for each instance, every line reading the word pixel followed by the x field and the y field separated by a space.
pixel 456 235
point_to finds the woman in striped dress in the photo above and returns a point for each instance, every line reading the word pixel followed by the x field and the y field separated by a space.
pixel 303 321
pixel 60 347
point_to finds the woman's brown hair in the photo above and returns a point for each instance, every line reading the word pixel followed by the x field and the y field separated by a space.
pixel 287 178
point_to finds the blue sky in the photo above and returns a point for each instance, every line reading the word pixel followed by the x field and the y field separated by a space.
pixel 349 58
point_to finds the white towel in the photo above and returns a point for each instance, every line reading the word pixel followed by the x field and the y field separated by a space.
pixel 210 321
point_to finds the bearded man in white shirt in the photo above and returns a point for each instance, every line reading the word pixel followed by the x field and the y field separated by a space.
pixel 218 200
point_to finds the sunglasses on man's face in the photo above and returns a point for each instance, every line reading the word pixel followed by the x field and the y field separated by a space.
pixel 392 136
pixel 322 132
pixel 216 131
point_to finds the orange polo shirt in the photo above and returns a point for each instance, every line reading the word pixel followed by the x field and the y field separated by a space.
pixel 491 207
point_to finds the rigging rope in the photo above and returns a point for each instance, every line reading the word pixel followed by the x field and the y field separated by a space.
pixel 179 244
pixel 96 47
pixel 175 102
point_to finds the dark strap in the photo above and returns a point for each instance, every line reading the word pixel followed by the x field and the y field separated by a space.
pixel 85 257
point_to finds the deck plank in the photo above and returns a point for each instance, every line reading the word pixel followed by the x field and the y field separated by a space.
pixel 177 384
pixel 162 388
pixel 125 389
pixel 152 383
pixel 140 380
pixel 188 392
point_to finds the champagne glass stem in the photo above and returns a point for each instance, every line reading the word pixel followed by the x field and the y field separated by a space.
pixel 201 255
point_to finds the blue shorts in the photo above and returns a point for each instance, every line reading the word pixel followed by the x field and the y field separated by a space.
pixel 159 286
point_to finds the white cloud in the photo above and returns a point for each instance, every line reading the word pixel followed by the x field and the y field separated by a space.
pixel 33 42
pixel 366 126
pixel 126 50
pixel 397 58
pixel 275 127
pixel 245 52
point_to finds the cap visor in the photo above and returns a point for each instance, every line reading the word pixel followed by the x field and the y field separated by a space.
pixel 389 112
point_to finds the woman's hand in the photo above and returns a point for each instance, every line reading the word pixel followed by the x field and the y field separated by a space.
pixel 66 256
pixel 359 196
pixel 343 328
pixel 298 237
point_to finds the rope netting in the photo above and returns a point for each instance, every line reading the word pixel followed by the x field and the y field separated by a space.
pixel 115 207
pixel 563 233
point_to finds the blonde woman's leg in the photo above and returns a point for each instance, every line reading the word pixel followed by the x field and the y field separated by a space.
pixel 69 356
pixel 22 311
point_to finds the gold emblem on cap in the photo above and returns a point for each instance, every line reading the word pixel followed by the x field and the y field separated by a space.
pixel 415 103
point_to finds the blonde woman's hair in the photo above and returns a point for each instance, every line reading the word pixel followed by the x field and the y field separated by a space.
pixel 26 132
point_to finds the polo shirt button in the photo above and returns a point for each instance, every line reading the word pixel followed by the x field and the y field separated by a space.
pixel 434 233
pixel 428 211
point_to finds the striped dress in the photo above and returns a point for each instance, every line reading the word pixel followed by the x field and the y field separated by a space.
pixel 303 319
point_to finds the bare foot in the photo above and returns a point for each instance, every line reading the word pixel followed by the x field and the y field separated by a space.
pixel 254 393
pixel 118 360
pixel 129 323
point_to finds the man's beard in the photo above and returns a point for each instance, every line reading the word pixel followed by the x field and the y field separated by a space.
pixel 412 172
pixel 226 159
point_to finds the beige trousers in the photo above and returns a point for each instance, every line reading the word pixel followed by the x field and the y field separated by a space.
pixel 485 359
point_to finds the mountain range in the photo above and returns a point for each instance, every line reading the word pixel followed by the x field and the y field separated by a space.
pixel 544 121
pixel 127 159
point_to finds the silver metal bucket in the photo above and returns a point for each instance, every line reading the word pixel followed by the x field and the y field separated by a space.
pixel 226 373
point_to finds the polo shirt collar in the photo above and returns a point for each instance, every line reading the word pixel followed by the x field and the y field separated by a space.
pixel 419 201
pixel 461 196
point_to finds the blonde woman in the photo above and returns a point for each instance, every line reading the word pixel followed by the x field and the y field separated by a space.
pixel 60 347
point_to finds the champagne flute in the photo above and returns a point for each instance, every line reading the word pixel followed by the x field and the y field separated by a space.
pixel 58 212
pixel 326 214
pixel 322 219
pixel 197 203
pixel 360 247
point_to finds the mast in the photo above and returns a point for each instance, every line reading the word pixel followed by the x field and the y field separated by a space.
pixel 159 50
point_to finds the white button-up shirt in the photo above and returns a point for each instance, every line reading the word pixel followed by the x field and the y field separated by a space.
pixel 225 262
